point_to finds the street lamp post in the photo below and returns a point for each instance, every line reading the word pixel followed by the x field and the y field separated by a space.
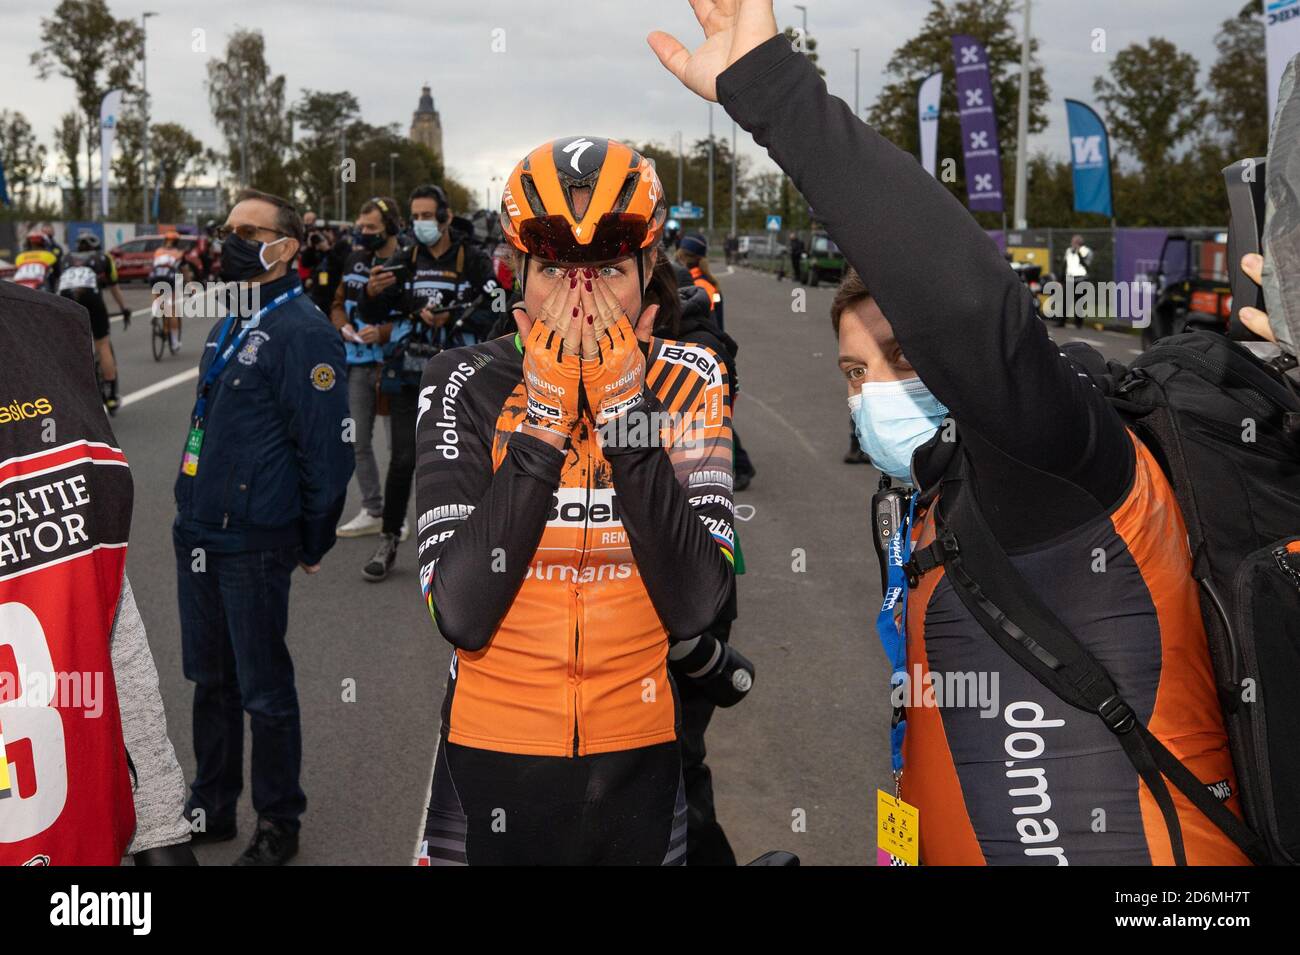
pixel 372 176
pixel 710 168
pixel 804 9
pixel 680 163
pixel 1022 130
pixel 392 178
pixel 734 163
pixel 144 104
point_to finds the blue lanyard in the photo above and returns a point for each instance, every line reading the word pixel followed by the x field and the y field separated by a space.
pixel 224 351
pixel 892 637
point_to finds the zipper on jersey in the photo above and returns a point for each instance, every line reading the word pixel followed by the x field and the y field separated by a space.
pixel 578 604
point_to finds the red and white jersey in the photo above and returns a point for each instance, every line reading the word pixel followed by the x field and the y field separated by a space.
pixel 65 512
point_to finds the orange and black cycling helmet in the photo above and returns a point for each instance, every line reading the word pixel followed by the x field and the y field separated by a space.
pixel 619 211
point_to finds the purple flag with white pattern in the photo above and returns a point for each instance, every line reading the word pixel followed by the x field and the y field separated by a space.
pixel 979 125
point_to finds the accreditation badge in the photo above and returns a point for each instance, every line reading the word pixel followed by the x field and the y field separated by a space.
pixel 898 828
pixel 193 444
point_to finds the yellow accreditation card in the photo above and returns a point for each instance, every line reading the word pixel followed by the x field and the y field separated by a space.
pixel 898 830
pixel 4 769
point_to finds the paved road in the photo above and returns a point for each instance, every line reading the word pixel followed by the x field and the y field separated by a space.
pixel 795 766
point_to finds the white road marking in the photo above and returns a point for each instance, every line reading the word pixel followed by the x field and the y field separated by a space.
pixel 158 386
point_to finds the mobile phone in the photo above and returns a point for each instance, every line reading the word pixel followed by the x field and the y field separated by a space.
pixel 393 267
pixel 1245 182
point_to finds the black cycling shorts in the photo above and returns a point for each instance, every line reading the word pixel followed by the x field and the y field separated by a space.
pixel 94 304
pixel 490 808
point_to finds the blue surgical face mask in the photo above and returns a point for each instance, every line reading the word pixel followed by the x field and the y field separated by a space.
pixel 427 231
pixel 893 419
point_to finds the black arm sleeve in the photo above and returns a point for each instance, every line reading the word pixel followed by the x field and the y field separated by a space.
pixel 379 309
pixel 477 528
pixel 679 529
pixel 962 318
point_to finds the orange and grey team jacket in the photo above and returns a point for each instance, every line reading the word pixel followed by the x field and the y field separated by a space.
pixel 697 274
pixel 1003 771
pixel 560 577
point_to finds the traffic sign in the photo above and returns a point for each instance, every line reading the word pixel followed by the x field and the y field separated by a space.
pixel 686 210
pixel 773 223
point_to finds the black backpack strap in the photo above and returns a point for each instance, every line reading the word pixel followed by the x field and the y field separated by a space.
pixel 1009 611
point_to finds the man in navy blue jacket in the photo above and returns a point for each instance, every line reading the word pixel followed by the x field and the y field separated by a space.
pixel 261 486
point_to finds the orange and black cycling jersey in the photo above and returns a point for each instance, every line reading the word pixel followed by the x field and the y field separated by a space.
pixel 561 577
pixel 1010 774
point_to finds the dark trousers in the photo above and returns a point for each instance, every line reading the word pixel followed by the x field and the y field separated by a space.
pixel 234 613
pixel 402 408
pixel 742 464
pixel 706 843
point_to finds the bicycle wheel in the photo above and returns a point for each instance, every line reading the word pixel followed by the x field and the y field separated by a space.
pixel 159 336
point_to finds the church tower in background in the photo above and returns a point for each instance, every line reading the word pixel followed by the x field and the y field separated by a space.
pixel 426 125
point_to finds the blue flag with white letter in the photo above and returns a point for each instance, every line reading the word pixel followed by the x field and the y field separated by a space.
pixel 1090 157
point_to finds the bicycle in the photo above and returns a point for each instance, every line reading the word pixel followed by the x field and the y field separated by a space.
pixel 160 338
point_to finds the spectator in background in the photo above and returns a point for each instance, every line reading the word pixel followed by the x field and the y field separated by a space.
pixel 796 256
pixel 261 486
pixel 1078 258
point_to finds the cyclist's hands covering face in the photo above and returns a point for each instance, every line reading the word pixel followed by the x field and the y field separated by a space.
pixel 731 29
pixel 551 344
pixel 613 377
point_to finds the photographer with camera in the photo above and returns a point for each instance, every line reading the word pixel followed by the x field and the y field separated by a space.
pixel 364 337
pixel 441 288
pixel 320 264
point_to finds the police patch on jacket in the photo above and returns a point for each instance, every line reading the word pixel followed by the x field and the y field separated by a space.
pixel 248 354
pixel 322 377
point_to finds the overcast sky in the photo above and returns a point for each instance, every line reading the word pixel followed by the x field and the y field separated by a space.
pixel 570 66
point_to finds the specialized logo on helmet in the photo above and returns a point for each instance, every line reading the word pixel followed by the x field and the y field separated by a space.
pixel 578 147
pixel 582 154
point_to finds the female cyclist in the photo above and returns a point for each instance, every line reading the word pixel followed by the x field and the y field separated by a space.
pixel 574 495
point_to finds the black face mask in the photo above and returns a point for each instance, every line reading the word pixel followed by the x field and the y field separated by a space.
pixel 369 240
pixel 241 260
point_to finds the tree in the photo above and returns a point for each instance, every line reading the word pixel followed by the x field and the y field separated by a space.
pixel 992 22
pixel 84 42
pixel 21 155
pixel 809 46
pixel 175 154
pixel 1151 102
pixel 317 155
pixel 68 136
pixel 248 106
pixel 126 169
pixel 1238 83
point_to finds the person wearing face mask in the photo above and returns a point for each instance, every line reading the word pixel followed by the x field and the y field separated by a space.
pixel 443 273
pixel 957 390
pixel 574 486
pixel 365 339
pixel 261 482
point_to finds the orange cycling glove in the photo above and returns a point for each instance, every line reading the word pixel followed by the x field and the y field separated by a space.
pixel 551 363
pixel 614 379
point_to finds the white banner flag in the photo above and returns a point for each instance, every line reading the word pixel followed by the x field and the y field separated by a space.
pixel 1283 43
pixel 109 108
pixel 927 112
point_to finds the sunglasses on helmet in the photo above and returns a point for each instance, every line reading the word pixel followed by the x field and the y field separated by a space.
pixel 617 236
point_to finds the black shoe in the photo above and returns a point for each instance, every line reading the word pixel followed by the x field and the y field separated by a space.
pixel 381 562
pixel 743 478
pixel 209 834
pixel 272 844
